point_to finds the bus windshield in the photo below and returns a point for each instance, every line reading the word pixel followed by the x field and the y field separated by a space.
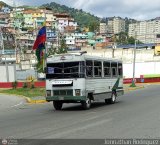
pixel 65 70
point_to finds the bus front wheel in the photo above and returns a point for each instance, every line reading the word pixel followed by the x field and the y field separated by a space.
pixel 57 105
pixel 86 104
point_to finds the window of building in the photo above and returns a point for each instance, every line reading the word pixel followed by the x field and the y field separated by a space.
pixel 107 69
pixel 97 68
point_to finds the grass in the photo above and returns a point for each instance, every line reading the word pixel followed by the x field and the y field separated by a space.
pixel 35 92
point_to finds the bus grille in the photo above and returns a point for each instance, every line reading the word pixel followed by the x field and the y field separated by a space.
pixel 63 92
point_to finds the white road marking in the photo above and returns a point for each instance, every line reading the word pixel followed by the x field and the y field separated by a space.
pixel 17 104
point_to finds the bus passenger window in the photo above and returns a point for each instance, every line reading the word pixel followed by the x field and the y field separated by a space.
pixel 114 69
pixel 107 70
pixel 97 68
pixel 120 72
pixel 89 68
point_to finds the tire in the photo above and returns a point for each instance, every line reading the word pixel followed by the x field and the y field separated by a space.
pixel 107 101
pixel 112 100
pixel 57 105
pixel 86 104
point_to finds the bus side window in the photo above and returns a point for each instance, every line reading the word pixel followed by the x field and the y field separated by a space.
pixel 120 72
pixel 89 68
pixel 107 69
pixel 114 69
pixel 97 68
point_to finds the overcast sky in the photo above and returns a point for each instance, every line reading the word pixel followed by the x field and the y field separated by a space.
pixel 137 9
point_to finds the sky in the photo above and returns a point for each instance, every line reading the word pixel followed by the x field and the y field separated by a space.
pixel 137 9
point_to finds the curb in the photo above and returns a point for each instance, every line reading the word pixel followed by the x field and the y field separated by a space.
pixel 134 88
pixel 28 100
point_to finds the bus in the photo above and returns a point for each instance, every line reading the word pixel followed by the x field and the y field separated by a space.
pixel 80 78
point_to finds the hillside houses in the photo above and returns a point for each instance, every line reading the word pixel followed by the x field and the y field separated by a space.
pixel 20 27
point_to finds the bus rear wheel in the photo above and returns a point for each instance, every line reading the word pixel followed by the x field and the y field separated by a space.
pixel 86 104
pixel 57 105
pixel 112 100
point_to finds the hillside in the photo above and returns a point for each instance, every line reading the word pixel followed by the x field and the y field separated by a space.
pixel 83 18
pixel 2 4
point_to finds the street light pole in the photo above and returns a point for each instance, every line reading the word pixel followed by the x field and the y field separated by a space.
pixel 134 61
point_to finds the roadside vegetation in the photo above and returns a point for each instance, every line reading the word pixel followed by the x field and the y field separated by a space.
pixel 28 89
pixel 27 92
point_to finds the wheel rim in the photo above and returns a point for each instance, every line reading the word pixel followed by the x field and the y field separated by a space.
pixel 113 97
pixel 88 102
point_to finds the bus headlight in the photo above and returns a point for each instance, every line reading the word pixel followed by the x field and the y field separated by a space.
pixel 77 92
pixel 48 93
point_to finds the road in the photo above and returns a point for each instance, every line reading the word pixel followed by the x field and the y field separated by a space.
pixel 135 115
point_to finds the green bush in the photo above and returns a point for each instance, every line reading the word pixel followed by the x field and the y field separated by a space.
pixel 32 86
pixel 25 85
pixel 14 84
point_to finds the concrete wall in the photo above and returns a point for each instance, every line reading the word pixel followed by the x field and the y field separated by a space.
pixel 7 73
pixel 23 74
pixel 125 54
pixel 141 68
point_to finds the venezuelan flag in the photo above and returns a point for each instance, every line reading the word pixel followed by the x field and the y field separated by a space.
pixel 40 53
pixel 41 38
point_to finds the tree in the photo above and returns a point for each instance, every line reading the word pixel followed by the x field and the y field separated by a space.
pixel 63 46
pixel 131 40
pixel 122 38
pixel 93 26
pixel 78 30
pixel 51 51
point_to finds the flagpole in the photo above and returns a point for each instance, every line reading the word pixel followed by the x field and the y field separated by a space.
pixel 45 50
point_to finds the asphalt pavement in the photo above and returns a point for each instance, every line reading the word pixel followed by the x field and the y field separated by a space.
pixel 135 115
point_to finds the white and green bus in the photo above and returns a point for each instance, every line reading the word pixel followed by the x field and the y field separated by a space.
pixel 76 78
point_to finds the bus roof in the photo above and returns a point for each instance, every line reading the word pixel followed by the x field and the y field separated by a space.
pixel 69 57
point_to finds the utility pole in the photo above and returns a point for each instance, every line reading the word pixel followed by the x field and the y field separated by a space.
pixel 2 42
pixel 134 61
pixel 14 23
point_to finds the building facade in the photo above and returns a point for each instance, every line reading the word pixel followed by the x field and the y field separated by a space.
pixel 116 25
pixel 103 28
pixel 145 31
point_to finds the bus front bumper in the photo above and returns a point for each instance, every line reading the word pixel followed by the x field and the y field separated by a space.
pixel 66 98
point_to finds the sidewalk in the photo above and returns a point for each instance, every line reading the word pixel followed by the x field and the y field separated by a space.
pixel 128 88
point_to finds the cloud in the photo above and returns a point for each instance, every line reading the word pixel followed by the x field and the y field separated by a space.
pixel 138 9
